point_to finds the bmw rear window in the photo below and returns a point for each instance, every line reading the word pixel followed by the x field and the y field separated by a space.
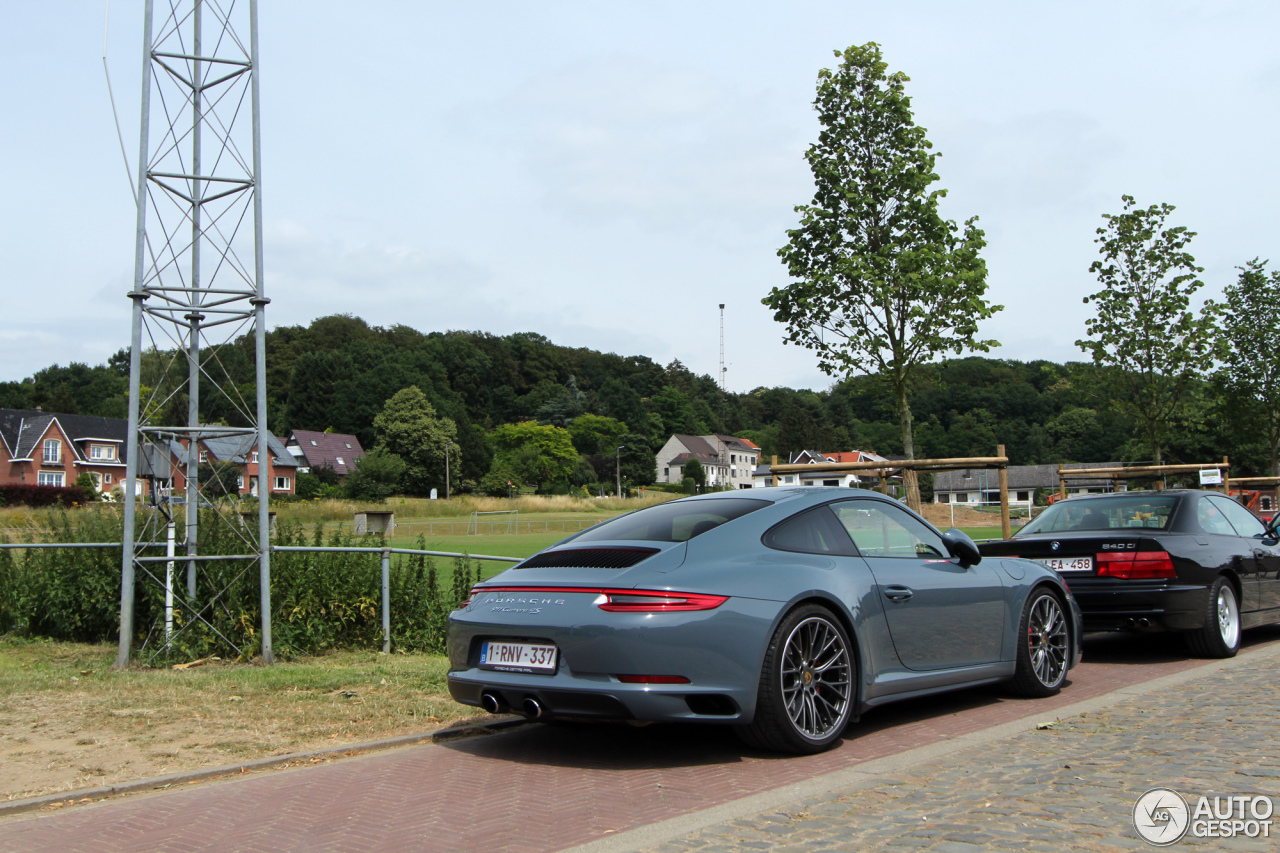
pixel 1127 513
pixel 678 521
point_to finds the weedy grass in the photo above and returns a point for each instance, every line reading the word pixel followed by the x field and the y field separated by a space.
pixel 68 720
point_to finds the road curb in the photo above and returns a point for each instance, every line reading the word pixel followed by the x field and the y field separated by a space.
pixel 160 783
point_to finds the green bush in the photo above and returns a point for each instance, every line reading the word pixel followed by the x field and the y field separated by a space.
pixel 319 600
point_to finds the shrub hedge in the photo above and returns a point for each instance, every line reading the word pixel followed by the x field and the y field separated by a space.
pixel 319 600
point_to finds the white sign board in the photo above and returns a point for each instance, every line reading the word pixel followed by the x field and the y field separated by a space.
pixel 1210 477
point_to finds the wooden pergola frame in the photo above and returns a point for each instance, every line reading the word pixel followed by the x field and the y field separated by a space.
pixel 1147 472
pixel 909 468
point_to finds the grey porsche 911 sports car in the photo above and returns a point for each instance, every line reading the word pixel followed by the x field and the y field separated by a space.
pixel 785 612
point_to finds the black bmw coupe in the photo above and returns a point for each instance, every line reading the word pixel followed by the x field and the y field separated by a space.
pixel 1195 562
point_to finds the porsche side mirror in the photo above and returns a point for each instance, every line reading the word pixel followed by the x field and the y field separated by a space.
pixel 962 547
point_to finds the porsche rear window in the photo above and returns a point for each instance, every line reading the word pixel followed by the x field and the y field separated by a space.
pixel 1104 514
pixel 678 521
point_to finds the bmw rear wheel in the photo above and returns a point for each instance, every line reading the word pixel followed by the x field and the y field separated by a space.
pixel 1044 645
pixel 806 685
pixel 1220 635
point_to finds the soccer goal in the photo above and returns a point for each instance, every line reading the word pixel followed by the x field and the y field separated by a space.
pixel 509 524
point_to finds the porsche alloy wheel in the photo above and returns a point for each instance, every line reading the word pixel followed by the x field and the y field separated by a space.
pixel 1044 646
pixel 806 685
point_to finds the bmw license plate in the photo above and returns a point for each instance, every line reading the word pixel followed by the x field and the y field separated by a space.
pixel 1067 564
pixel 518 657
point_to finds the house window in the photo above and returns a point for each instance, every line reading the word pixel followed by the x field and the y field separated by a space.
pixel 348 444
pixel 1022 496
pixel 240 484
pixel 52 451
pixel 340 462
pixel 282 484
pixel 97 480
pixel 102 451
pixel 313 443
pixel 51 478
pixel 106 478
pixel 944 498
pixel 253 457
pixel 788 479
pixel 204 457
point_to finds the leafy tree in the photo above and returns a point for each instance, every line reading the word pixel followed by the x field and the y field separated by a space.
pixel 639 467
pixel 85 481
pixel 593 434
pixel 1145 337
pixel 376 476
pixel 693 470
pixel 409 428
pixel 883 283
pixel 540 454
pixel 1251 368
pixel 501 480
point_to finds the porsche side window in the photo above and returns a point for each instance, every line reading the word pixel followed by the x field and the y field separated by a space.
pixel 813 532
pixel 881 530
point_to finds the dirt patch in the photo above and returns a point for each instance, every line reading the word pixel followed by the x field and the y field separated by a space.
pixel 939 515
pixel 65 726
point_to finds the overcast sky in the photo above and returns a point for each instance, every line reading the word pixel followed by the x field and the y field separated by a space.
pixel 607 173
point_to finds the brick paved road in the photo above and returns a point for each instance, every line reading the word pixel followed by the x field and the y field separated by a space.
pixel 543 788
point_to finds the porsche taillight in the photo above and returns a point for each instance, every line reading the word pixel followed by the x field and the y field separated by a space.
pixel 644 601
pixel 1136 565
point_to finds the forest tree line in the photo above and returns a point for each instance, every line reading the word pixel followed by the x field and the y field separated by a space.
pixel 339 373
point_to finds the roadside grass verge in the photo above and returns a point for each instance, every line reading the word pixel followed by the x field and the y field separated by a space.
pixel 68 721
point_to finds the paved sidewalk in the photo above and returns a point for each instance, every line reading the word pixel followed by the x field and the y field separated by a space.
pixel 965 769
pixel 1070 786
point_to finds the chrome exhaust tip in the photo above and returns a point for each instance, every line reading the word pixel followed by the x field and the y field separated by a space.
pixel 532 708
pixel 492 703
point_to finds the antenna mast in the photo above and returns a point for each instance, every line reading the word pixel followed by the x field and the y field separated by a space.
pixel 197 296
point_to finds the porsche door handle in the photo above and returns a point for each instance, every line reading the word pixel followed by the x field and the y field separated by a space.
pixel 897 593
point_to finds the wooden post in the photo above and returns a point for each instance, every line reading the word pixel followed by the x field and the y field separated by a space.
pixel 1005 527
pixel 1226 476
pixel 911 480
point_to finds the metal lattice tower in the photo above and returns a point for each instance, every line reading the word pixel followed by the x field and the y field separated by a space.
pixel 197 290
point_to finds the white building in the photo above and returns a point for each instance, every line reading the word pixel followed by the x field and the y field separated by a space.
pixel 728 461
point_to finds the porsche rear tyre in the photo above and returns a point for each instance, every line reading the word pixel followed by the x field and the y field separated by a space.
pixel 1219 637
pixel 1044 645
pixel 807 685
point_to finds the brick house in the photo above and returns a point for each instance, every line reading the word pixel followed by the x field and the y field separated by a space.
pixel 47 449
pixel 318 449
pixel 242 452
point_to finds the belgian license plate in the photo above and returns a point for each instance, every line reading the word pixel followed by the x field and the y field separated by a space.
pixel 1068 564
pixel 518 657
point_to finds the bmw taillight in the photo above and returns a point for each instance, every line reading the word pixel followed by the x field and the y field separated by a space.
pixel 642 601
pixel 1136 565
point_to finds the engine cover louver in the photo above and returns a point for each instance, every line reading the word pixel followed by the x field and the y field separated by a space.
pixel 588 558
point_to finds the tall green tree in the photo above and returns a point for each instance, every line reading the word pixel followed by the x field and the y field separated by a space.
pixel 1251 363
pixel 1144 336
pixel 409 428
pixel 883 283
pixel 375 476
pixel 539 454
